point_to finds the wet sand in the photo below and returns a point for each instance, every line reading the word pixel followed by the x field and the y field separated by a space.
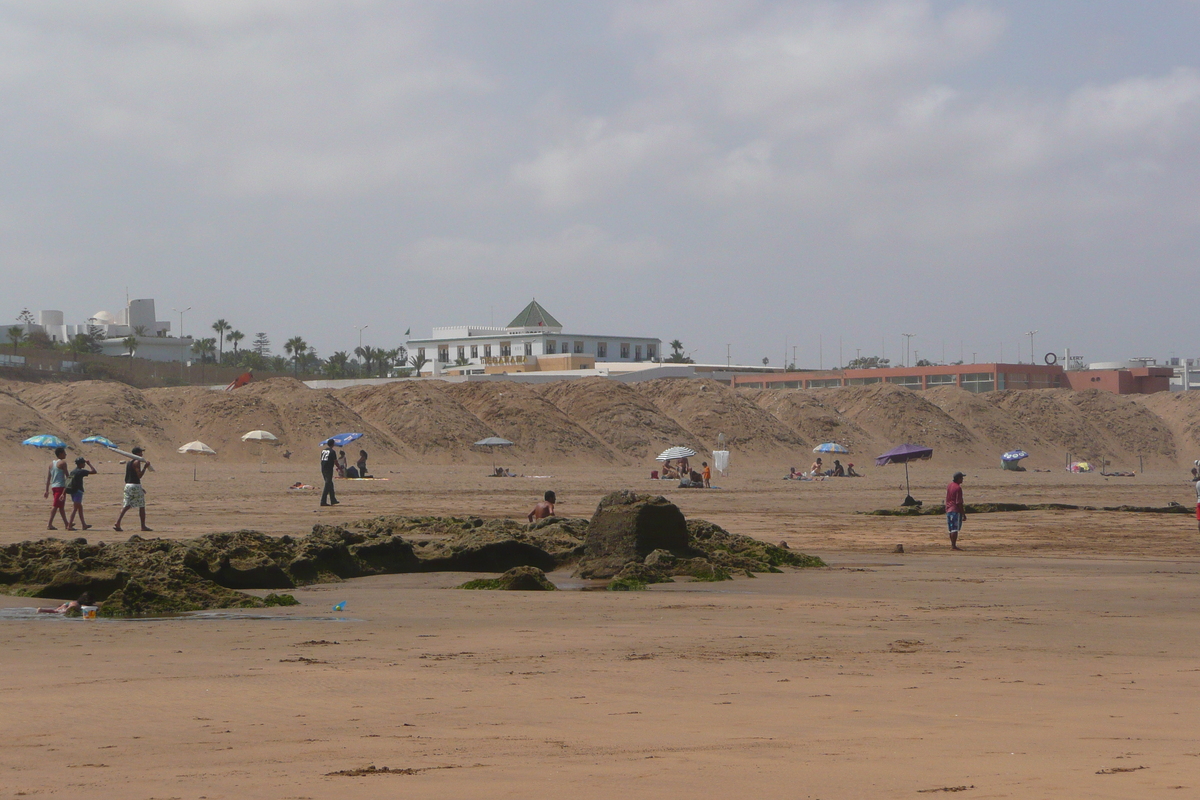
pixel 1055 657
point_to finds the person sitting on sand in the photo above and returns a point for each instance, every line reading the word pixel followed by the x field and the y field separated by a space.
pixel 792 474
pixel 850 473
pixel 75 489
pixel 545 508
pixel 838 471
pixel 85 599
pixel 669 471
pixel 362 465
pixel 818 469
pixel 340 464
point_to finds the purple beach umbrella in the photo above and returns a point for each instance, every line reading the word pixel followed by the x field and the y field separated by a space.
pixel 902 454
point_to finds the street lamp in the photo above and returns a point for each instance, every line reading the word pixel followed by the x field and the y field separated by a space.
pixel 360 330
pixel 907 338
pixel 182 350
pixel 1032 358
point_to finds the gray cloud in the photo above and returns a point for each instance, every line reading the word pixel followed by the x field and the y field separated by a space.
pixel 775 171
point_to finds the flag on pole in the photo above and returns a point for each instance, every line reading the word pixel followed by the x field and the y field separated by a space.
pixel 407 332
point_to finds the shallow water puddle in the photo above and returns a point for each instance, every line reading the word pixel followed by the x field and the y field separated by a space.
pixel 30 613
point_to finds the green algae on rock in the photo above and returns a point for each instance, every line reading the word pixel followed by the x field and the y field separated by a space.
pixel 517 579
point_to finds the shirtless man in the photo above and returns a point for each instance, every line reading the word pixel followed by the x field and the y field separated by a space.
pixel 543 509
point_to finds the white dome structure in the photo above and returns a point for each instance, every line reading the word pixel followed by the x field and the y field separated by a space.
pixel 103 318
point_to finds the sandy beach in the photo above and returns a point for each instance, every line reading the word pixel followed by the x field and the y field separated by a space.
pixel 1055 656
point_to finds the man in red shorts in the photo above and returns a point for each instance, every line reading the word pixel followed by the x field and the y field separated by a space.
pixel 56 480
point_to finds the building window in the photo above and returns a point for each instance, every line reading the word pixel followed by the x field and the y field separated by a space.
pixel 551 346
pixel 978 381
pixel 579 347
pixel 462 353
pixel 624 349
pixel 637 352
pixel 862 381
pixel 911 381
pixel 601 349
pixel 420 354
pixel 650 352
pixel 529 348
pixel 505 349
pixel 941 380
pixel 474 351
pixel 444 353
pixel 487 351
pixel 824 383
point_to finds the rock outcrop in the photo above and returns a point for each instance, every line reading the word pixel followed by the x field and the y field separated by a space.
pixel 626 528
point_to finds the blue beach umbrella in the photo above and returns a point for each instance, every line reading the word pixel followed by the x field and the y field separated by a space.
pixel 45 440
pixel 1014 455
pixel 342 439
pixel 831 447
pixel 104 441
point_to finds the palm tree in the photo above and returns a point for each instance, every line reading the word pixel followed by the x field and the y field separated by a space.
pixel 337 365
pixel 130 343
pixel 220 326
pixel 368 355
pixel 15 334
pixel 235 337
pixel 295 348
pixel 139 330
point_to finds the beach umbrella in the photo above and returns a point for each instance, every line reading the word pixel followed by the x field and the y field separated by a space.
pixel 342 439
pixel 831 447
pixel 1079 466
pixel 902 454
pixel 45 440
pixel 1014 455
pixel 260 436
pixel 197 448
pixel 491 443
pixel 100 440
pixel 672 453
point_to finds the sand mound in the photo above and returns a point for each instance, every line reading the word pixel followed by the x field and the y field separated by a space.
pixel 1180 413
pixel 707 408
pixel 19 421
pixel 815 417
pixel 301 417
pixel 421 416
pixel 997 430
pixel 1092 424
pixel 896 416
pixel 116 410
pixel 618 415
pixel 517 412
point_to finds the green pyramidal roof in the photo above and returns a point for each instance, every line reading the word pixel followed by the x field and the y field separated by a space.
pixel 534 316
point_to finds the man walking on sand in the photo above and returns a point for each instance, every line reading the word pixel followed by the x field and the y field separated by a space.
pixel 56 480
pixel 1196 478
pixel 329 458
pixel 135 495
pixel 955 510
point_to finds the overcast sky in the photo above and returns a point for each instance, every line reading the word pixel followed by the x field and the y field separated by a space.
pixel 763 175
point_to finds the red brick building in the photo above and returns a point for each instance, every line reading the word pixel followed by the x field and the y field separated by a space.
pixel 973 378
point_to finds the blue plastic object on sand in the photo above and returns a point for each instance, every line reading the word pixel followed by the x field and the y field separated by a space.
pixel 340 606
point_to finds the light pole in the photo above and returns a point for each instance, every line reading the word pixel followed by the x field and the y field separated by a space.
pixel 1032 358
pixel 360 330
pixel 182 347
pixel 907 338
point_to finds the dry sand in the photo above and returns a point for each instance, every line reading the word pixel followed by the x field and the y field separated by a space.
pixel 1058 651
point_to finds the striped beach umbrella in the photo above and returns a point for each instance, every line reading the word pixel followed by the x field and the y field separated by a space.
pixel 672 453
pixel 831 447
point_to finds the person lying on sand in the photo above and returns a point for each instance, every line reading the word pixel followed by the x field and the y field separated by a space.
pixel 545 508
pixel 85 599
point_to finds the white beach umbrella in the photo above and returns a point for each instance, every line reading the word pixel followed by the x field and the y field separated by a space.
pixel 259 436
pixel 197 448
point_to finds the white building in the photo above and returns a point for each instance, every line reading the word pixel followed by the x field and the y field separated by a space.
pixel 533 342
pixel 137 319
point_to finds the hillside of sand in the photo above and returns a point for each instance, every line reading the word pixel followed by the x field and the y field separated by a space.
pixel 605 422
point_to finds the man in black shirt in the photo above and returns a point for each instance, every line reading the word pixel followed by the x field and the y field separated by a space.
pixel 328 462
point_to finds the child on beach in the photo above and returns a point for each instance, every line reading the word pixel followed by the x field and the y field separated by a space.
pixel 543 509
pixel 75 489
pixel 56 480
